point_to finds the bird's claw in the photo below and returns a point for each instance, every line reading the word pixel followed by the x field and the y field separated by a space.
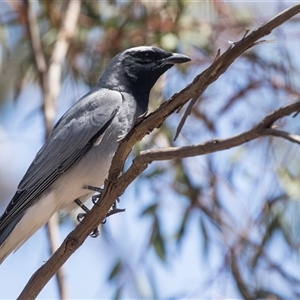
pixel 93 188
pixel 113 210
pixel 95 198
pixel 80 217
pixel 96 232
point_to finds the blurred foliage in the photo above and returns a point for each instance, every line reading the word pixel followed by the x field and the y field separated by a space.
pixel 245 201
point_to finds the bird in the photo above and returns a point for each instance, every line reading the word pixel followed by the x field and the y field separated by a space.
pixel 80 147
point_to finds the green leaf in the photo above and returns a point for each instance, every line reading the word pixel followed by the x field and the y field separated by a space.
pixel 158 241
pixel 159 246
pixel 182 228
pixel 116 270
pixel 150 210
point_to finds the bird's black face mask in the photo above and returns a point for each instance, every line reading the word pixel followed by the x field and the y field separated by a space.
pixel 144 67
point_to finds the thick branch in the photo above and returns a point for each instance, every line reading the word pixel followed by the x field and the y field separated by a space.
pixel 115 186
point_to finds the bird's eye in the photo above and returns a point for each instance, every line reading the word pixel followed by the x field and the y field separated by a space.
pixel 145 55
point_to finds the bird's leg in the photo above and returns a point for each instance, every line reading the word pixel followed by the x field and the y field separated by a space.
pixel 95 198
pixel 81 205
pixel 113 210
pixel 93 188
pixel 80 217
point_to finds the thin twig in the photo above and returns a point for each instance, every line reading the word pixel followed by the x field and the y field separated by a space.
pixel 248 41
pixel 294 138
pixel 240 282
pixel 261 130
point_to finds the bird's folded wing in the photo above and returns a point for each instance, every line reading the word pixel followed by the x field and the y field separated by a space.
pixel 73 135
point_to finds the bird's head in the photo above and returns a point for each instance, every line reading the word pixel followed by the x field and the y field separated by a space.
pixel 144 65
pixel 136 70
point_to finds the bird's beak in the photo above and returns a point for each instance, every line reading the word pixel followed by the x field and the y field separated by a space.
pixel 176 58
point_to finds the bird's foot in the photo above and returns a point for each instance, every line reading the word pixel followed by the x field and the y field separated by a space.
pixel 113 210
pixel 93 188
pixel 96 232
pixel 95 198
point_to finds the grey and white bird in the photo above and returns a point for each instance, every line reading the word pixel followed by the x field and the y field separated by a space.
pixel 80 148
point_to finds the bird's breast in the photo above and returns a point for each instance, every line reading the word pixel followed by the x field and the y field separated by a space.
pixel 92 169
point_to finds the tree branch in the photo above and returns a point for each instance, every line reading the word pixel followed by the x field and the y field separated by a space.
pixel 294 138
pixel 64 37
pixel 141 162
pixel 262 129
pixel 248 41
pixel 115 185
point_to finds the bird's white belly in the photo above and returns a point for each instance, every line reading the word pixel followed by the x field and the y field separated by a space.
pixel 91 170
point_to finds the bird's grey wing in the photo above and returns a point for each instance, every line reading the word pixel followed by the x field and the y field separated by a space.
pixel 73 135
